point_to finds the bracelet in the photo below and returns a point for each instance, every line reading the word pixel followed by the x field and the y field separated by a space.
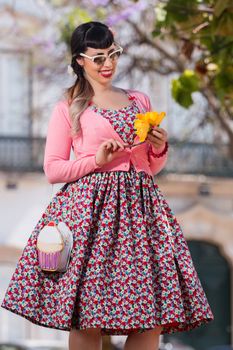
pixel 161 154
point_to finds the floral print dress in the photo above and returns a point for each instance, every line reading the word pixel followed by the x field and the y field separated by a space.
pixel 130 267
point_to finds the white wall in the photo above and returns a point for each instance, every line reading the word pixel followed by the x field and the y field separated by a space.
pixel 14 93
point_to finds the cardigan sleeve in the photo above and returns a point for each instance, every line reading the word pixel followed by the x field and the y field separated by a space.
pixel 58 167
pixel 156 164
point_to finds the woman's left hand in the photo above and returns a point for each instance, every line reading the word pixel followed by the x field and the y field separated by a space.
pixel 157 137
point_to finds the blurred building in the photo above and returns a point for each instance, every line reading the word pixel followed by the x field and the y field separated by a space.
pixel 24 191
pixel 197 182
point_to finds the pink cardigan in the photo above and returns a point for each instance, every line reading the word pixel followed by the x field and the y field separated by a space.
pixel 95 129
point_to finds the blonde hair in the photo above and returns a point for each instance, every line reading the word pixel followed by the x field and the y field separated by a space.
pixel 79 95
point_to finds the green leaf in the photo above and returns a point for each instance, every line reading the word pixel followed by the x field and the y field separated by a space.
pixel 78 16
pixel 183 87
pixel 189 80
pixel 156 32
pixel 180 94
pixel 213 40
pixel 176 88
pixel 181 10
pixel 101 13
pixel 220 6
pixel 70 21
pixel 224 80
pixel 160 13
pixel 224 26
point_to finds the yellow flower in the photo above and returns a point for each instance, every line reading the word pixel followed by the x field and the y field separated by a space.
pixel 143 123
pixel 155 118
pixel 142 127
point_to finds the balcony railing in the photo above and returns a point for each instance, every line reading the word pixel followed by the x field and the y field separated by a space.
pixel 24 154
pixel 21 154
pixel 199 158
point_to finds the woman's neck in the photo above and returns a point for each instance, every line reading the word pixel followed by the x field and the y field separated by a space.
pixel 100 89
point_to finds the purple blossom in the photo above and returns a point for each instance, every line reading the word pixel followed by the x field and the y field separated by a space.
pixel 47 45
pixel 39 69
pixel 100 2
pixel 126 13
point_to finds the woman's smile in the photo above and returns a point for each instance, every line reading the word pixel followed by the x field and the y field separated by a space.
pixel 106 73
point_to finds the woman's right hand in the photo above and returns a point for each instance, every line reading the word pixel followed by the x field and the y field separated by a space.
pixel 107 151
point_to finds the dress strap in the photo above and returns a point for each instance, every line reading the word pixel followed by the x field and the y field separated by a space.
pixel 130 97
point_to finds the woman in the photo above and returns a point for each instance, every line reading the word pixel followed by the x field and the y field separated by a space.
pixel 130 271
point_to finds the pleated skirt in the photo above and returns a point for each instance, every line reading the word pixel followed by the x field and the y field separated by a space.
pixel 130 267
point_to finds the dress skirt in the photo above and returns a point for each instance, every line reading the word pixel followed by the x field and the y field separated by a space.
pixel 130 267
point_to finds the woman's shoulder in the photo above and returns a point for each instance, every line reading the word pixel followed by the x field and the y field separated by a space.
pixel 142 96
pixel 62 104
pixel 61 110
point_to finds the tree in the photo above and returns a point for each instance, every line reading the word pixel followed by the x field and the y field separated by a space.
pixel 191 39
pixel 203 30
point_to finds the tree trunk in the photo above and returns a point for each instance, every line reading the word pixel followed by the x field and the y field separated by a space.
pixel 220 113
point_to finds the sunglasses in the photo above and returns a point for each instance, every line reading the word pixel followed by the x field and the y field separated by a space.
pixel 100 59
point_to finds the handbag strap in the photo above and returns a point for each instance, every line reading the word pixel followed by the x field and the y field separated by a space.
pixel 61 236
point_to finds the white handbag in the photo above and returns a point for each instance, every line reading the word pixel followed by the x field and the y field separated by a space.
pixel 54 245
